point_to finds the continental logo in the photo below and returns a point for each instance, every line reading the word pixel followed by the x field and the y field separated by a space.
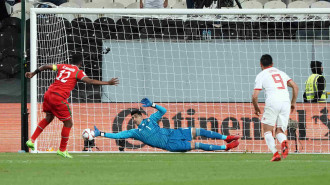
pixel 228 119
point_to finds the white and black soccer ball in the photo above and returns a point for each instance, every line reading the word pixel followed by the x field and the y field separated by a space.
pixel 88 134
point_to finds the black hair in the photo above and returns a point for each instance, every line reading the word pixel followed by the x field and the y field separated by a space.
pixel 76 59
pixel 136 111
pixel 266 60
pixel 316 67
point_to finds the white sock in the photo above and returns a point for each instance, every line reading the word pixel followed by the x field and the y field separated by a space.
pixel 270 141
pixel 281 137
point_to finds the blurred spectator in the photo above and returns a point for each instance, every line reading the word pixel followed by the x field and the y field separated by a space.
pixel 55 2
pixel 287 2
pixel 153 3
pixel 3 10
pixel 201 4
pixel 11 2
pixel 190 4
pixel 315 84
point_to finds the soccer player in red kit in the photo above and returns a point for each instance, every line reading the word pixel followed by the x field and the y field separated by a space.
pixel 55 99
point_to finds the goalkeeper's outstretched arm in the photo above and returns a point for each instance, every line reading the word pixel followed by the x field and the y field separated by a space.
pixel 157 115
pixel 121 135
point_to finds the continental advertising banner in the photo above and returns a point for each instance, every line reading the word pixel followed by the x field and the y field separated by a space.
pixel 308 130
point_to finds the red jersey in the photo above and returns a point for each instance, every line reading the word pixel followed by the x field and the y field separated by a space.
pixel 66 79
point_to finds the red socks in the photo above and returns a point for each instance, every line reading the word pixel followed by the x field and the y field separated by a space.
pixel 41 126
pixel 65 134
pixel 65 138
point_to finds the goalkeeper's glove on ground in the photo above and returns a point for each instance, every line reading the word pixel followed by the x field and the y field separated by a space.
pixel 147 103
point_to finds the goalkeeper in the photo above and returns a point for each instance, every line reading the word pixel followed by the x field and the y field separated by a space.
pixel 174 140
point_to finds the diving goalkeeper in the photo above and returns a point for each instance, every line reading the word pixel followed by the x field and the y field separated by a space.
pixel 174 140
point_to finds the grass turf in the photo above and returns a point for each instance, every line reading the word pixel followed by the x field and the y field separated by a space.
pixel 159 169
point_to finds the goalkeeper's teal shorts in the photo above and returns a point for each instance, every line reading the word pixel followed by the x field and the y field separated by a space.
pixel 179 140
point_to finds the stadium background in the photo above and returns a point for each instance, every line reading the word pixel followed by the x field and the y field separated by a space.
pixel 10 93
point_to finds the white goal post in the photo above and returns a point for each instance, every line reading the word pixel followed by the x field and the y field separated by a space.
pixel 200 64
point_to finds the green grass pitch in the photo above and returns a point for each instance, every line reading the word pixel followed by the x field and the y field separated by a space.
pixel 159 169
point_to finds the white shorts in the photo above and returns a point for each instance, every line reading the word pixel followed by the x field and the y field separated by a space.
pixel 277 113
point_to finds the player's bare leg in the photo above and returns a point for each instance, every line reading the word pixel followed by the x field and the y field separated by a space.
pixel 192 145
pixel 193 133
pixel 268 134
pixel 281 137
pixel 49 117
pixel 68 123
pixel 41 126
pixel 62 151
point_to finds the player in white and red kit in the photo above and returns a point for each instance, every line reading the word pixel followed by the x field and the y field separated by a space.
pixel 55 99
pixel 277 105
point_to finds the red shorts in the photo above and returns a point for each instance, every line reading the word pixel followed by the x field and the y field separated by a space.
pixel 56 105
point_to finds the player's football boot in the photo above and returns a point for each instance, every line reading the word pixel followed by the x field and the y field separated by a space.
pixel 30 144
pixel 285 149
pixel 232 138
pixel 64 154
pixel 276 157
pixel 232 145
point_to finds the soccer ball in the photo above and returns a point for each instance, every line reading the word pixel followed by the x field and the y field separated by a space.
pixel 88 134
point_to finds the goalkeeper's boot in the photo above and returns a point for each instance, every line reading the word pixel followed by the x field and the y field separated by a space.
pixel 64 154
pixel 276 157
pixel 30 144
pixel 232 145
pixel 285 149
pixel 232 138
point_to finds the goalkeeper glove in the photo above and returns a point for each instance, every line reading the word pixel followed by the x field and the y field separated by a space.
pixel 147 103
pixel 97 132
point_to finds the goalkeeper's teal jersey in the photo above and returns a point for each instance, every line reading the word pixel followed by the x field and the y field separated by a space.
pixel 148 131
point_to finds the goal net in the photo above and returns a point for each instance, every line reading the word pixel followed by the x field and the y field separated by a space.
pixel 198 64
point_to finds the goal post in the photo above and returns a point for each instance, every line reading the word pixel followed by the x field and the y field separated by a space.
pixel 200 64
